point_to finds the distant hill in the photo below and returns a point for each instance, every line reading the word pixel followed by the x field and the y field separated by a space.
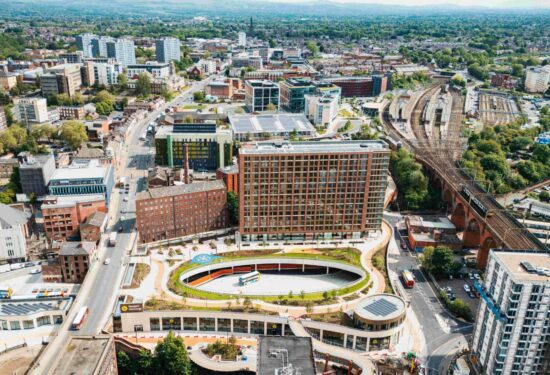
pixel 226 7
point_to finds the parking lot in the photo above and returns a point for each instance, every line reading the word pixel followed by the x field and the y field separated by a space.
pixel 497 109
pixel 457 288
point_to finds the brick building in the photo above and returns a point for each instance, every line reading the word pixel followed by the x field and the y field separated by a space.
pixel 71 113
pixel 93 227
pixel 63 215
pixel 311 190
pixel 182 210
pixel 230 176
pixel 75 259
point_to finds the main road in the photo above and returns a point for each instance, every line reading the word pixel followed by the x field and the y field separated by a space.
pixel 99 290
pixel 442 332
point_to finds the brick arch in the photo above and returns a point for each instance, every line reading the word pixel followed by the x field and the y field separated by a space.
pixel 447 196
pixel 472 233
pixel 458 216
pixel 488 243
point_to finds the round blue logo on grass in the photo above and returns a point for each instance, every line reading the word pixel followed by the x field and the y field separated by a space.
pixel 204 258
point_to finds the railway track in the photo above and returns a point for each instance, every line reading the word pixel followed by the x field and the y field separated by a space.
pixel 442 155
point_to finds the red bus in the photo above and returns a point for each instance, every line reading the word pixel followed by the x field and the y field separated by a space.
pixel 408 279
pixel 80 317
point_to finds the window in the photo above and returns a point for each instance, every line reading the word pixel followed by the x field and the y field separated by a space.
pixel 14 325
pixel 155 324
pixel 42 321
pixel 28 324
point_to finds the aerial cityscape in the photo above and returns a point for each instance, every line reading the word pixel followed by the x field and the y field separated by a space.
pixel 282 187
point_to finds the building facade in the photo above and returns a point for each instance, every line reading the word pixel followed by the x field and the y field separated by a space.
pixel 75 259
pixel 209 147
pixel 321 110
pixel 64 215
pixel 30 110
pixel 293 92
pixel 106 74
pixel 13 233
pixel 311 190
pixel 87 179
pixel 511 335
pixel 35 172
pixel 537 78
pixel 157 70
pixel 230 177
pixel 123 50
pixel 259 95
pixel 84 44
pixel 61 79
pixel 168 49
pixel 242 39
pixel 175 211
pixel 71 113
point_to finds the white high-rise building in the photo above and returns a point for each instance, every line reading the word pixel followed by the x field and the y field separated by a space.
pixel 30 110
pixel 123 50
pixel 242 39
pixel 84 43
pixel 168 49
pixel 99 46
pixel 106 74
pixel 321 110
pixel 512 330
pixel 13 233
pixel 537 78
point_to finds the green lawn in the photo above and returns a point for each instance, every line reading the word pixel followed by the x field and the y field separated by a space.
pixel 344 256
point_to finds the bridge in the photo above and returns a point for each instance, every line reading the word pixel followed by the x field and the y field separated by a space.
pixel 485 222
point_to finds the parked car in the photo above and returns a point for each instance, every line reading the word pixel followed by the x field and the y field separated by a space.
pixel 35 271
pixel 470 276
pixel 107 261
pixel 467 288
pixel 476 276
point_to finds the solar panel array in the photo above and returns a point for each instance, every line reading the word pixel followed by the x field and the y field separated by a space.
pixel 381 307
pixel 25 308
pixel 270 123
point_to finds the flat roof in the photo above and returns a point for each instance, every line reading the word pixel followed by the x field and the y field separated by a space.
pixel 380 307
pixel 69 200
pixel 431 222
pixel 32 306
pixel 79 173
pixel 297 351
pixel 270 123
pixel 512 262
pixel 82 355
pixel 170 191
pixel 313 147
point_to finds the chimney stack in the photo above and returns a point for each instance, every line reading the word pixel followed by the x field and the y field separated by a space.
pixel 186 163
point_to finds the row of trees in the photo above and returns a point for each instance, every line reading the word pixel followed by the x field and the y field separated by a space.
pixel 169 358
pixel 486 158
pixel 411 182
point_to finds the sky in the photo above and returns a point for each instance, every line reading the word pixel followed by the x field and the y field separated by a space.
pixel 483 3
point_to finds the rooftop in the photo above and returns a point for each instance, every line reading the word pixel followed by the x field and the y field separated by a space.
pixel 96 219
pixel 32 306
pixel 270 123
pixel 69 200
pixel 34 161
pixel 77 248
pixel 82 355
pixel 297 351
pixel 170 191
pixel 261 83
pixel 314 147
pixel 431 222
pixel 380 307
pixel 10 217
pixel 76 173
pixel 512 262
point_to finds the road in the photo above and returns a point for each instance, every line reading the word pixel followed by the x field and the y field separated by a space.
pixel 441 330
pixel 101 286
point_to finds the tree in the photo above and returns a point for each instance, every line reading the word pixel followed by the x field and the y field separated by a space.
pixel 312 46
pixel 105 97
pixel 438 261
pixel 270 107
pixel 104 108
pixel 143 84
pixel 544 196
pixel 46 131
pixel 233 207
pixel 239 110
pixel 458 80
pixel 198 96
pixel 73 133
pixel 247 303
pixel 520 143
pixel 302 295
pixel 122 82
pixel 171 356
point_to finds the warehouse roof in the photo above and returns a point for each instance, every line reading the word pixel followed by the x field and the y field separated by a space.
pixel 270 123
pixel 169 191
